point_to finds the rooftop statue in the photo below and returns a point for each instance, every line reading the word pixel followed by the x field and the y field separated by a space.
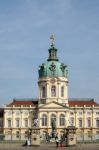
pixel 52 38
pixel 35 119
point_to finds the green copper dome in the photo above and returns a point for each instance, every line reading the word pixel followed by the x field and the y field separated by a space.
pixel 52 68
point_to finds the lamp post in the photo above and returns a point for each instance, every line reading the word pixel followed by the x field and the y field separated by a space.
pixel 29 133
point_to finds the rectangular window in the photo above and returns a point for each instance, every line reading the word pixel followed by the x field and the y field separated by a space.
pixel 89 134
pixel 26 122
pixel 9 123
pixel 62 91
pixel 97 123
pixel 17 113
pixel 88 113
pixel 80 113
pixel 97 135
pixel 97 113
pixel 17 134
pixel 80 123
pixel 1 123
pixel 17 123
pixel 43 91
pixel 72 121
pixel 89 123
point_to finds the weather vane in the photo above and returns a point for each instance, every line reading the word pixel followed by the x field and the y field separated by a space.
pixel 52 38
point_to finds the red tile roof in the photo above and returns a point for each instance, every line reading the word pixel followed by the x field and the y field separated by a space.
pixel 82 102
pixel 33 103
pixel 23 102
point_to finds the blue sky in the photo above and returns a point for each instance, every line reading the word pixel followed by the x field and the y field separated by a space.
pixel 25 29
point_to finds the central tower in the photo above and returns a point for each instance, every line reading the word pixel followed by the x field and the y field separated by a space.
pixel 53 81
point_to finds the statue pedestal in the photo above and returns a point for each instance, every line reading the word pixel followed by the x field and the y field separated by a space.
pixel 71 136
pixel 35 136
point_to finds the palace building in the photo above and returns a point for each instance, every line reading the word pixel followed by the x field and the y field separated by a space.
pixel 53 103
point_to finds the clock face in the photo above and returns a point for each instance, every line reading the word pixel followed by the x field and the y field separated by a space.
pixel 53 80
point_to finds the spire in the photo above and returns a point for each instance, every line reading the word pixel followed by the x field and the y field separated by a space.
pixel 52 50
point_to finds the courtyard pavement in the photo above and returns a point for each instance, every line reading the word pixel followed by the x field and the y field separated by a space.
pixel 51 146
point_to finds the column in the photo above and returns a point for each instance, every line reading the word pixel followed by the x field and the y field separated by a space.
pixel 47 90
pixel 92 120
pixel 39 120
pixel 5 123
pixel 21 120
pixel 75 118
pixel 84 124
pixel 58 90
pixel 20 124
pixel 48 119
pixel 65 119
pixel 39 88
pixel 12 118
pixel 57 121
pixel 12 125
pixel 84 119
pixel 49 122
pixel 66 95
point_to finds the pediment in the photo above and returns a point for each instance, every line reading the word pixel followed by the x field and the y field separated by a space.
pixel 53 105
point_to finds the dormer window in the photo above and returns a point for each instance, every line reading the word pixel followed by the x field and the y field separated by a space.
pixel 53 91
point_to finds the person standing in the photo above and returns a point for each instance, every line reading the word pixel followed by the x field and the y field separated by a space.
pixel 57 141
pixel 61 141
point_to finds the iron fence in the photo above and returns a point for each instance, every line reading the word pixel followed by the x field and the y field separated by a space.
pixel 81 138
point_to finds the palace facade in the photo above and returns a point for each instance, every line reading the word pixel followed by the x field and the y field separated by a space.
pixel 52 104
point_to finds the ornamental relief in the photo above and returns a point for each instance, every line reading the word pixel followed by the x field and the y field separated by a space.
pixel 52 68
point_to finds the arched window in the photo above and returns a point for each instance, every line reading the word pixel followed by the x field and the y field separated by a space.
pixel 62 120
pixel 53 121
pixel 53 91
pixel 44 120
pixel 43 91
pixel 62 91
